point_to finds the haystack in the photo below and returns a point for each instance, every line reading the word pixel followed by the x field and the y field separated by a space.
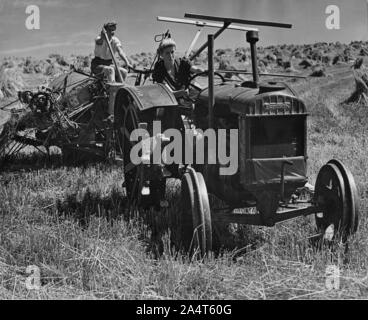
pixel 305 63
pixel 287 64
pixel 316 55
pixel 239 52
pixel 262 66
pixel 11 81
pixel 224 64
pixel 336 59
pixel 318 71
pixel 358 63
pixel 361 86
pixel 31 66
pixel 53 69
pixel 363 52
pixel 242 58
pixel 4 118
pixel 326 59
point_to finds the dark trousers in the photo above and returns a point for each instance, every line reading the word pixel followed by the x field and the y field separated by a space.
pixel 96 62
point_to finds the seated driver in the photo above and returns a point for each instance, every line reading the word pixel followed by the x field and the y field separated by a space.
pixel 102 62
pixel 174 72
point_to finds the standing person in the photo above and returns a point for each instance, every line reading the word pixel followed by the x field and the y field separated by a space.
pixel 175 72
pixel 102 62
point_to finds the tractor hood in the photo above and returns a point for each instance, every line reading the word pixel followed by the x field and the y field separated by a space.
pixel 269 99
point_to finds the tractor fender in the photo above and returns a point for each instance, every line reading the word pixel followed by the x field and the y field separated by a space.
pixel 146 97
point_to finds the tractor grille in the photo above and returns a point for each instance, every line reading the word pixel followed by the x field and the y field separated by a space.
pixel 274 105
pixel 274 137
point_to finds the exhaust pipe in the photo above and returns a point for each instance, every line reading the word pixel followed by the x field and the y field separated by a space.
pixel 252 38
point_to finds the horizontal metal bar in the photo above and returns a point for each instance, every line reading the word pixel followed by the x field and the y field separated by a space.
pixel 250 219
pixel 205 45
pixel 86 148
pixel 82 145
pixel 262 74
pixel 204 24
pixel 9 104
pixel 256 219
pixel 291 214
pixel 276 116
pixel 240 21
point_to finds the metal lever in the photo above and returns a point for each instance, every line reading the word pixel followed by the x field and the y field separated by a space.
pixel 120 77
pixel 189 51
pixel 284 163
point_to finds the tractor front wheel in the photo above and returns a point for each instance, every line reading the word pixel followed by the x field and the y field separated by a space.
pixel 336 196
pixel 195 225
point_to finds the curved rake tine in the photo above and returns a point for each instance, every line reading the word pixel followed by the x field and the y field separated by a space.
pixel 20 147
pixel 40 150
pixel 12 146
pixel 16 147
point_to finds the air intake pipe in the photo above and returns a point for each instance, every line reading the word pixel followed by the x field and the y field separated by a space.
pixel 252 38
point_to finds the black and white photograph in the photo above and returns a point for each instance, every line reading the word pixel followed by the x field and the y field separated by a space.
pixel 202 152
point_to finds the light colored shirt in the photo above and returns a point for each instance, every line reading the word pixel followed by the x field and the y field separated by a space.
pixel 102 51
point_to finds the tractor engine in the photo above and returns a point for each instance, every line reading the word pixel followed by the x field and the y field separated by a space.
pixel 272 150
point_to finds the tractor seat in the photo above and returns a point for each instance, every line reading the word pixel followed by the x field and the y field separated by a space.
pixel 102 77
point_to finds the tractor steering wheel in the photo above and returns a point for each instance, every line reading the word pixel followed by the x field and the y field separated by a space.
pixel 202 74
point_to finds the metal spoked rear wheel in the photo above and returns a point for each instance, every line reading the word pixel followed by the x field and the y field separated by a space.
pixel 126 119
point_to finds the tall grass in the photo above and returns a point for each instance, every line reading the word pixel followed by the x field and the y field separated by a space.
pixel 71 223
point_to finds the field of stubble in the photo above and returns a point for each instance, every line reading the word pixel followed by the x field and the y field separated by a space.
pixel 70 222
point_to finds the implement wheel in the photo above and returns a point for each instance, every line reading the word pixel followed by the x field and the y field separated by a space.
pixel 196 225
pixel 337 198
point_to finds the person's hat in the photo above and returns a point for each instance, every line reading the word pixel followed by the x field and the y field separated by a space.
pixel 110 25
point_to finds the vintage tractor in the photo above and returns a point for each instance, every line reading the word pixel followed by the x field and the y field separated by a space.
pixel 271 178
pixel 85 117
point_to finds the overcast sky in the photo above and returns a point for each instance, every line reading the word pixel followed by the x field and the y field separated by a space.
pixel 70 26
